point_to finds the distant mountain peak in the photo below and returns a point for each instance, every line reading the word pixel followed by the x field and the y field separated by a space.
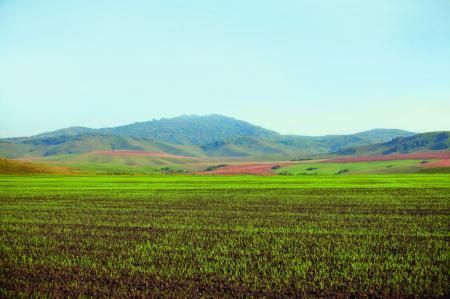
pixel 190 129
pixel 190 134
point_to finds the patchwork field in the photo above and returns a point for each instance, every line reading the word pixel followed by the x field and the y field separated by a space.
pixel 121 162
pixel 414 156
pixel 314 168
pixel 266 168
pixel 277 236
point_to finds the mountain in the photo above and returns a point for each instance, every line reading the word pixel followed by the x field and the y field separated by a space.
pixel 186 129
pixel 292 146
pixel 211 135
pixel 82 143
pixel 191 129
pixel 382 135
pixel 332 143
pixel 66 132
pixel 425 142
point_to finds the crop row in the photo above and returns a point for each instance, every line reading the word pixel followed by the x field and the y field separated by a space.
pixel 222 242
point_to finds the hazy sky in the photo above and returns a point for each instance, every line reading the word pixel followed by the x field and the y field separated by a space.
pixel 301 67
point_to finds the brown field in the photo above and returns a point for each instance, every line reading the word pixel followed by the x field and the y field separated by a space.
pixel 15 167
pixel 439 163
pixel 248 168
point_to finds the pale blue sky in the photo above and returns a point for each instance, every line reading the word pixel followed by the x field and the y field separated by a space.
pixel 300 67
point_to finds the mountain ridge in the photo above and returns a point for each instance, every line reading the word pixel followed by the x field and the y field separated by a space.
pixel 423 142
pixel 190 135
pixel 75 130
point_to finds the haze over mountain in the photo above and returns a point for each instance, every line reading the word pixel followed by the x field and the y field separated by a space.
pixel 190 135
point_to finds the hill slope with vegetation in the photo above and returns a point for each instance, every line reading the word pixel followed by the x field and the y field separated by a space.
pixel 211 135
pixel 425 142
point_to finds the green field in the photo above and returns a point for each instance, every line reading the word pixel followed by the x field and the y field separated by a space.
pixel 393 166
pixel 172 236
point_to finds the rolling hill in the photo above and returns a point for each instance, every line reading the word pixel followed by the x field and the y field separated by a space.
pixel 425 142
pixel 76 144
pixel 294 146
pixel 197 136
pixel 191 129
pixel 13 167
pixel 182 130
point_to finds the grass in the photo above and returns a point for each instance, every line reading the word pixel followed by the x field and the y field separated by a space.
pixel 106 164
pixel 190 236
pixel 13 167
pixel 435 170
pixel 393 166
pixel 93 163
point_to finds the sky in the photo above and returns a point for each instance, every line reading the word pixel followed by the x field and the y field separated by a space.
pixel 307 67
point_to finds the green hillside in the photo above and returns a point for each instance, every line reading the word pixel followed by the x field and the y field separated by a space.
pixel 67 132
pixel 192 130
pixel 291 146
pixel 198 136
pixel 432 141
pixel 76 144
pixel 382 135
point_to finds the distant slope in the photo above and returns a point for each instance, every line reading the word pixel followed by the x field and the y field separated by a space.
pixel 247 146
pixel 77 144
pixel 67 132
pixel 192 130
pixel 12 167
pixel 211 135
pixel 11 149
pixel 383 135
pixel 332 143
pixel 291 146
pixel 425 142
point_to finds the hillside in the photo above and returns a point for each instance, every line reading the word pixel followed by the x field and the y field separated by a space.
pixel 183 130
pixel 293 146
pixel 66 132
pixel 12 167
pixel 192 130
pixel 425 142
pixel 382 135
pixel 77 144
pixel 211 135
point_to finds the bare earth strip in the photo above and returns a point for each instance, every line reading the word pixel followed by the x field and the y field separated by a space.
pixel 248 168
pixel 439 163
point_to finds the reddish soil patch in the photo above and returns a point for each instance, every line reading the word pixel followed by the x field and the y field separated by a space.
pixel 439 163
pixel 248 168
pixel 137 154
pixel 416 156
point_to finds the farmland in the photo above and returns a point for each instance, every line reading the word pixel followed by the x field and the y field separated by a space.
pixel 380 235
pixel 327 168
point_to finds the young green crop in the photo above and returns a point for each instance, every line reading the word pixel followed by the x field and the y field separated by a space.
pixel 225 236
pixel 329 168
